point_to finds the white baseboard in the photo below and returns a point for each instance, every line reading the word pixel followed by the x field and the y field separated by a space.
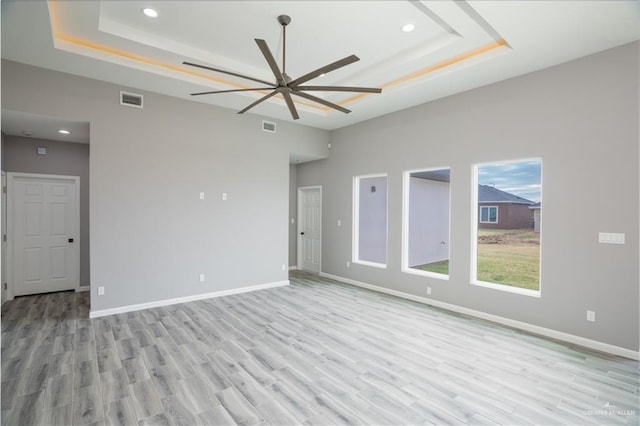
pixel 293 268
pixel 83 288
pixel 547 332
pixel 148 305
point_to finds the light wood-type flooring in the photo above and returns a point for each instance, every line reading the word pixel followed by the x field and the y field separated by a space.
pixel 316 352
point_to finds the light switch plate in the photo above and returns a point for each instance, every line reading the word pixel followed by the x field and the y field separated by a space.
pixel 611 238
pixel 202 195
pixel 224 196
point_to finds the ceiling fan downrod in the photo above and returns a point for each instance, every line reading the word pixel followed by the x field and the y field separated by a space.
pixel 284 20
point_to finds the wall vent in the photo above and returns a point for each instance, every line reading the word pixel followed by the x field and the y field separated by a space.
pixel 268 126
pixel 131 99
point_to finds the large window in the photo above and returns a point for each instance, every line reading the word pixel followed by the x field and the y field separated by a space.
pixel 370 220
pixel 507 206
pixel 426 222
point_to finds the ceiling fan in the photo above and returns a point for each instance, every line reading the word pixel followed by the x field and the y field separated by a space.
pixel 287 86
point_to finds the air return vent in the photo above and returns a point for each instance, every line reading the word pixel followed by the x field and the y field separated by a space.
pixel 268 126
pixel 131 99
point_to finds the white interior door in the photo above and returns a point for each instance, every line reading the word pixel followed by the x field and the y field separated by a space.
pixel 43 233
pixel 310 228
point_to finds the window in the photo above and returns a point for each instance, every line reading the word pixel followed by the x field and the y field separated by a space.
pixel 370 220
pixel 506 245
pixel 488 214
pixel 425 232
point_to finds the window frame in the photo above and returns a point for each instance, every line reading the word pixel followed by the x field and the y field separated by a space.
pixel 355 241
pixel 489 214
pixel 475 222
pixel 406 182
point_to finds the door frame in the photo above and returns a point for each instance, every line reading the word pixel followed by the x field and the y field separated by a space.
pixel 11 176
pixel 301 190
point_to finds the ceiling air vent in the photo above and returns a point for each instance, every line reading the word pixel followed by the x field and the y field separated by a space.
pixel 131 99
pixel 268 126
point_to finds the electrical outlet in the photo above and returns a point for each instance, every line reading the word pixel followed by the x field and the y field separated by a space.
pixel 284 267
pixel 348 264
pixel 100 291
pixel 201 278
pixel 293 220
pixel 224 196
pixel 339 222
pixel 591 316
pixel 202 195
pixel 428 290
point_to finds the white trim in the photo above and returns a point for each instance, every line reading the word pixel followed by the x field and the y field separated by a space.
pixel 406 193
pixel 507 288
pixel 293 268
pixel 355 220
pixel 489 214
pixel 298 229
pixel 422 273
pixel 149 305
pixel 542 331
pixel 367 263
pixel 83 288
pixel 10 238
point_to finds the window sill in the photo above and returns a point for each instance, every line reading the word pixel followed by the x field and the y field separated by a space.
pixel 425 273
pixel 508 289
pixel 373 264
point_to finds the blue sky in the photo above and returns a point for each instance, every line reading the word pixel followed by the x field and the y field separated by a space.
pixel 521 178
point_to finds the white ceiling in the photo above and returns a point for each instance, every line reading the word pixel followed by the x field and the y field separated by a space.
pixel 456 45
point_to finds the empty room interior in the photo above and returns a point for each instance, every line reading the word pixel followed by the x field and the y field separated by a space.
pixel 320 212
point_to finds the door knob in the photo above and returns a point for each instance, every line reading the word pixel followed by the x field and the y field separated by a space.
pixel 70 240
pixel 302 233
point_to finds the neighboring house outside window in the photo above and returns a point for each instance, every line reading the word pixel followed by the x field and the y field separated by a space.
pixel 488 214
pixel 502 210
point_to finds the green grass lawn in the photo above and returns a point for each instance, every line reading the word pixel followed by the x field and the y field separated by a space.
pixel 505 256
pixel 437 267
pixel 510 257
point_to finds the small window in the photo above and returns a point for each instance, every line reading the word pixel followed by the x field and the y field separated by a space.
pixel 426 220
pixel 488 214
pixel 370 220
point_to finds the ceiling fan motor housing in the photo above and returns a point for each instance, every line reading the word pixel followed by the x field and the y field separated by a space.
pixel 284 20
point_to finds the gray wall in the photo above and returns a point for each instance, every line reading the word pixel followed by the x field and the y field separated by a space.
pixel 151 235
pixel 63 158
pixel 372 210
pixel 293 214
pixel 581 118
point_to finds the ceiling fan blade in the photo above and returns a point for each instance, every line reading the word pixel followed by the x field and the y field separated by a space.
pixel 339 89
pixel 266 52
pixel 326 69
pixel 262 99
pixel 290 104
pixel 227 72
pixel 233 90
pixel 321 101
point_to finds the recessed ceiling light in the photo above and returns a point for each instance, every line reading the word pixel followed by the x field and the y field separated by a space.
pixel 64 132
pixel 151 13
pixel 407 28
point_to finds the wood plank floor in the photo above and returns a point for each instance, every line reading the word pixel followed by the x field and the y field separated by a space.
pixel 315 353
